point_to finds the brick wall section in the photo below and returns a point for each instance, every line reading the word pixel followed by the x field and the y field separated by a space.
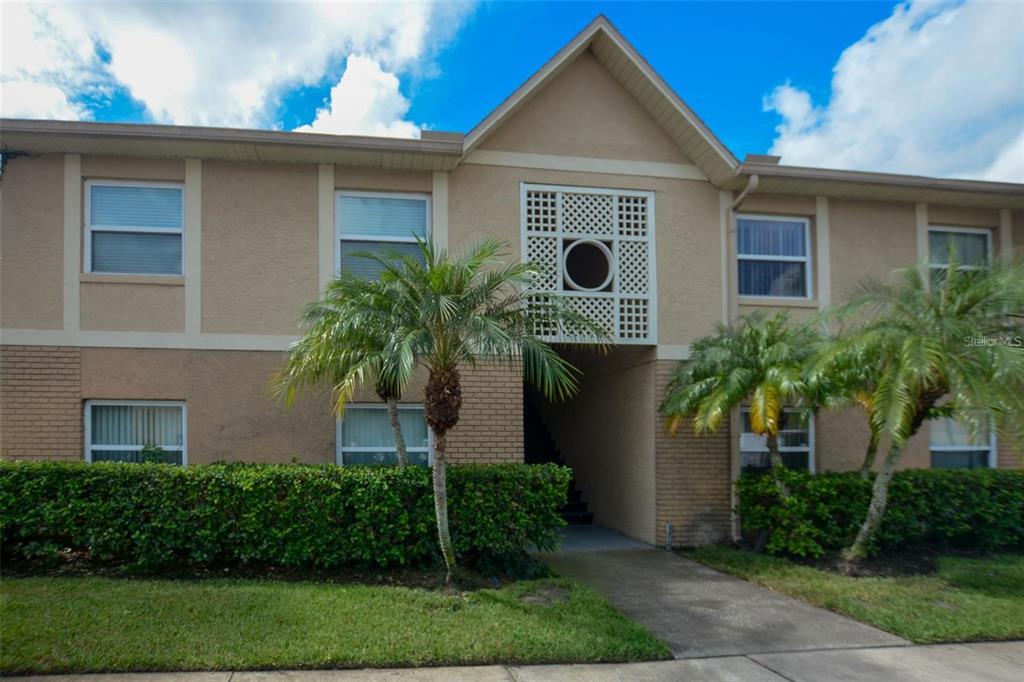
pixel 490 428
pixel 1007 456
pixel 692 477
pixel 40 403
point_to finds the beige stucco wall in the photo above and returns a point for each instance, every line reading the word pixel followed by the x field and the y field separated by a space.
pixel 32 243
pixel 377 180
pixel 604 435
pixel 259 246
pixel 963 216
pixel 132 168
pixel 133 306
pixel 841 439
pixel 869 239
pixel 585 112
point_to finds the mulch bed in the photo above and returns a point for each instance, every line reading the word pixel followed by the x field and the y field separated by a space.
pixel 78 564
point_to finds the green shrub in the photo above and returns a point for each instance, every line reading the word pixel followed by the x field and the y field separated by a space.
pixel 153 516
pixel 975 509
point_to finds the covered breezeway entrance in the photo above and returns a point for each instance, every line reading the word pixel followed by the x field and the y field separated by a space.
pixel 606 435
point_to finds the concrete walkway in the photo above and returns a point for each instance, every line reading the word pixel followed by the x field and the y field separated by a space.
pixel 991 662
pixel 700 612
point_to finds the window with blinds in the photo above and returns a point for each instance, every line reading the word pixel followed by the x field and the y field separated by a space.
pixel 972 248
pixel 365 436
pixel 134 229
pixel 135 431
pixel 379 224
pixel 953 446
pixel 796 442
pixel 773 256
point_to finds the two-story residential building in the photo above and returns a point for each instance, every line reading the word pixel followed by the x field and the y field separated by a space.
pixel 152 278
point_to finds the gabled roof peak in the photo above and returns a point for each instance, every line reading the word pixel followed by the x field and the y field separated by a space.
pixel 634 73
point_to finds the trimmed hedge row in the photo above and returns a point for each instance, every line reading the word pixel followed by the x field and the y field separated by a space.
pixel 153 516
pixel 972 509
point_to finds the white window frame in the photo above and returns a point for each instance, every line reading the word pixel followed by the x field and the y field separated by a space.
pixel 993 449
pixel 90 228
pixel 788 448
pixel 960 230
pixel 338 236
pixel 90 446
pixel 805 259
pixel 339 449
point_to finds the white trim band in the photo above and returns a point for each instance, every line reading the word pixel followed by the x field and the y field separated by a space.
pixel 109 339
pixel 585 164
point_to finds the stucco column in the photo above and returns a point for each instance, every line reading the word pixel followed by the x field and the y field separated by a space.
pixel 72 240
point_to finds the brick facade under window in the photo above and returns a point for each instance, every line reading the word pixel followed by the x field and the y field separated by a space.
pixel 231 414
pixel 40 402
pixel 490 428
pixel 693 477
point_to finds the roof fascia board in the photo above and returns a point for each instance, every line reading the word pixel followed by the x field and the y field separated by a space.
pixel 121 131
pixel 871 178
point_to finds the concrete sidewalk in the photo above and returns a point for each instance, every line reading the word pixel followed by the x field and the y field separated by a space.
pixel 987 662
pixel 700 612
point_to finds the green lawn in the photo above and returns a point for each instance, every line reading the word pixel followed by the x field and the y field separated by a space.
pixel 52 624
pixel 964 600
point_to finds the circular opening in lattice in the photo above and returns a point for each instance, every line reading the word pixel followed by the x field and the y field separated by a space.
pixel 587 265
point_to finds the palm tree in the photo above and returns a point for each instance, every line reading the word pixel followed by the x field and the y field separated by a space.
pixel 923 331
pixel 842 382
pixel 442 313
pixel 339 347
pixel 760 361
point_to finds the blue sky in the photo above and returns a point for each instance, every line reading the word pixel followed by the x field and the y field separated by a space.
pixel 872 85
pixel 504 43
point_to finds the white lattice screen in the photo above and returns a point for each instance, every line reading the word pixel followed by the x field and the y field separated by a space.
pixel 553 218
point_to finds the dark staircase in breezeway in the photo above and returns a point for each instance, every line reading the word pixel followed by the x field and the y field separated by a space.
pixel 540 448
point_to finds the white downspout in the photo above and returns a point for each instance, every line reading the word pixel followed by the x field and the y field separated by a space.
pixel 751 187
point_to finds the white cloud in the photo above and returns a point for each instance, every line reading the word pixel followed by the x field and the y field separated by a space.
pixel 366 101
pixel 932 90
pixel 45 56
pixel 222 64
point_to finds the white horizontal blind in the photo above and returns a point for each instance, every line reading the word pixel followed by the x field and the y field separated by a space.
pixel 972 248
pixel 796 442
pixel 353 259
pixel 366 436
pixel 371 223
pixel 952 447
pixel 135 229
pixel 136 253
pixel 135 207
pixel 772 255
pixel 118 432
pixel 374 217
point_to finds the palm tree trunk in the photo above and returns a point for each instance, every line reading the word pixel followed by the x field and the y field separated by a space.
pixel 773 452
pixel 777 465
pixel 880 491
pixel 396 426
pixel 869 456
pixel 442 402
pixel 444 539
pixel 879 496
